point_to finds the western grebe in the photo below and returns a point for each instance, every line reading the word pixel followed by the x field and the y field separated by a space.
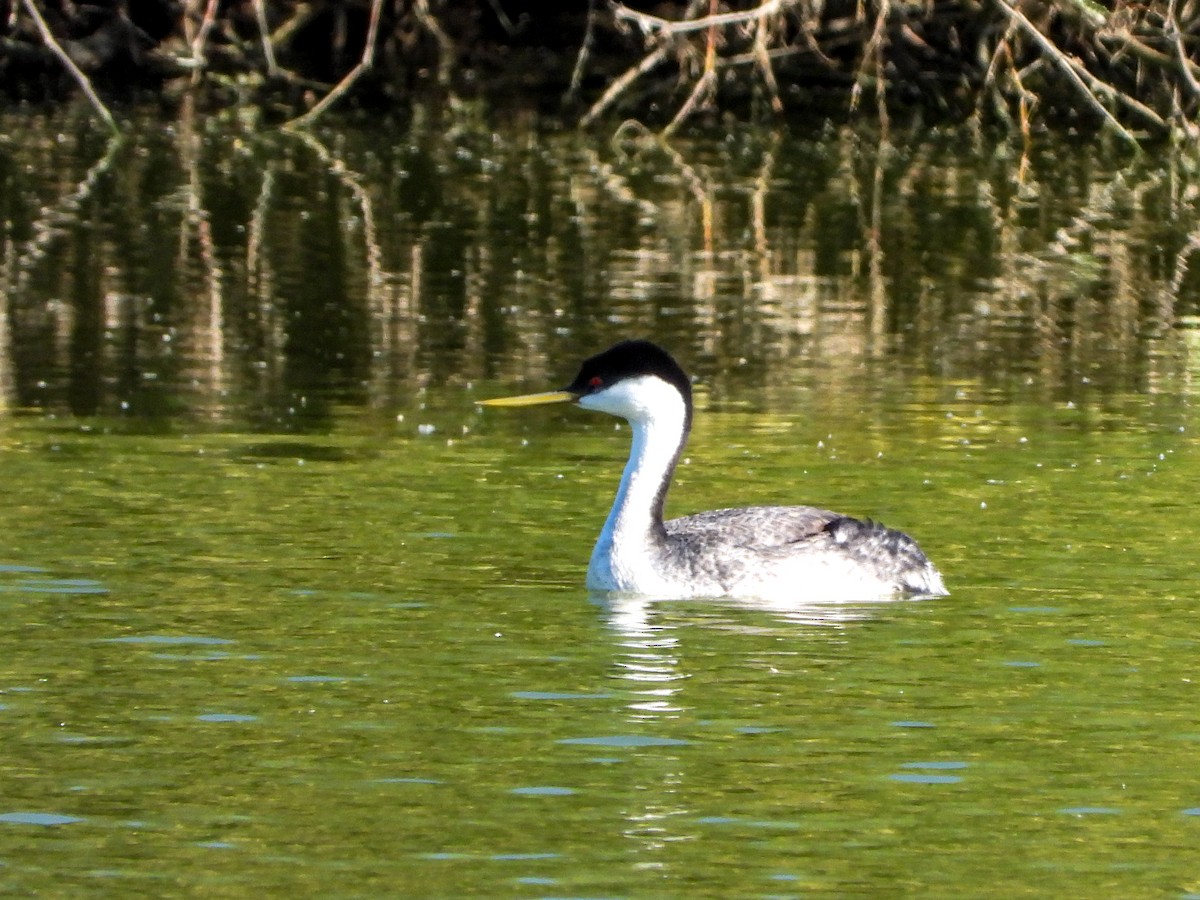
pixel 759 551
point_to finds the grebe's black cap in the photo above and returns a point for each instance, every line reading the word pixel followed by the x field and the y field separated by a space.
pixel 629 359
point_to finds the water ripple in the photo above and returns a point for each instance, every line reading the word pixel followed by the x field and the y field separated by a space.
pixel 626 740
pixel 38 818
pixel 56 586
pixel 543 791
pixel 923 778
pixel 165 639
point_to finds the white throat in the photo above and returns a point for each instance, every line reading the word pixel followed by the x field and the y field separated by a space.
pixel 625 555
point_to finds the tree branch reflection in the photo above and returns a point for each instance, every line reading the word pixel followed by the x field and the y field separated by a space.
pixel 367 268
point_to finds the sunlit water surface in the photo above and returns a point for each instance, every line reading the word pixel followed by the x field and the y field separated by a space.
pixel 292 615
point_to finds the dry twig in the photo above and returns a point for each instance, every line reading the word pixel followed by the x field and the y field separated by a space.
pixel 650 24
pixel 1086 83
pixel 200 41
pixel 669 31
pixel 585 48
pixel 700 92
pixel 1187 68
pixel 762 58
pixel 445 45
pixel 339 89
pixel 76 72
pixel 260 14
pixel 630 75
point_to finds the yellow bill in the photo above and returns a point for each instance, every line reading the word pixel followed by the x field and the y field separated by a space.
pixel 530 399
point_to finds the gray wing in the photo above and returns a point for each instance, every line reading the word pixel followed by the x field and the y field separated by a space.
pixel 723 545
pixel 761 527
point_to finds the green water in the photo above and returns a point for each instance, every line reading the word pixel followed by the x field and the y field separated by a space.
pixel 282 611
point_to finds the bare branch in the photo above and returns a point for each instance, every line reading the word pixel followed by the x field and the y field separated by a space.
pixel 653 59
pixel 618 86
pixel 762 58
pixel 585 48
pixel 302 14
pixel 445 45
pixel 650 24
pixel 343 86
pixel 704 86
pixel 260 14
pixel 1175 35
pixel 1077 74
pixel 76 72
pixel 200 41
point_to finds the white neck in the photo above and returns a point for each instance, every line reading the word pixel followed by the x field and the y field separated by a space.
pixel 623 556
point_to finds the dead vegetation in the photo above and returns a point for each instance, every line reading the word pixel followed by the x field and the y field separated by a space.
pixel 1132 68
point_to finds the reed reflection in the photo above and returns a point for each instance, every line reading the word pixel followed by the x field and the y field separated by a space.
pixel 265 279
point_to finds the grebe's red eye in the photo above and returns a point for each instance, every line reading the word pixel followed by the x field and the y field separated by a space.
pixel 595 381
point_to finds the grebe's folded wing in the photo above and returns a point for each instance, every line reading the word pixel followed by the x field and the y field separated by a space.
pixel 760 526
